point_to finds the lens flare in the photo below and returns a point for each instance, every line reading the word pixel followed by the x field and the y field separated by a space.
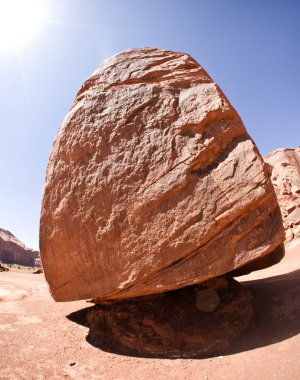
pixel 19 20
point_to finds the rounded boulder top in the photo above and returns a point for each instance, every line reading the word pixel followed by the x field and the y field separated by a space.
pixel 153 184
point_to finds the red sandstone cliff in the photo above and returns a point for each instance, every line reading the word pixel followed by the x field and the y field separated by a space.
pixel 15 252
pixel 285 175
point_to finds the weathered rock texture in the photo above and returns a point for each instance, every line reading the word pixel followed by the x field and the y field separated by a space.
pixel 12 251
pixel 153 184
pixel 285 174
pixel 173 324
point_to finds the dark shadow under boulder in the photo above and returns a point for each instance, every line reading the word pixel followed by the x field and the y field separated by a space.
pixel 194 321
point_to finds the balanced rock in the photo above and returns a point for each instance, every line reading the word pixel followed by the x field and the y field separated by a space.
pixel 284 165
pixel 153 184
pixel 13 251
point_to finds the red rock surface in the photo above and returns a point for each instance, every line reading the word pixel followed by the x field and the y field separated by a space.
pixel 285 175
pixel 15 252
pixel 153 184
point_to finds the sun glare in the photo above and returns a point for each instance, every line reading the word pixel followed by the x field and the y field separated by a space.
pixel 19 20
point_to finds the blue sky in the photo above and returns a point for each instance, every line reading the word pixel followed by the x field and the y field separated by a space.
pixel 250 48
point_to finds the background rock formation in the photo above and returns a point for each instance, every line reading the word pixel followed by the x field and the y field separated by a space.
pixel 12 251
pixel 153 184
pixel 285 175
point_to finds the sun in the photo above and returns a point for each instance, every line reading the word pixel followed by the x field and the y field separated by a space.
pixel 19 20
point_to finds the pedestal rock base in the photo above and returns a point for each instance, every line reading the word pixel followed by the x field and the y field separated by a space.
pixel 194 321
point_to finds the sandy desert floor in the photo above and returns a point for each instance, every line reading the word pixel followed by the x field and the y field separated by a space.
pixel 41 339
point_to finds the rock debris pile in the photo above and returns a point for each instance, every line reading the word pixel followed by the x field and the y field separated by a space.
pixel 197 320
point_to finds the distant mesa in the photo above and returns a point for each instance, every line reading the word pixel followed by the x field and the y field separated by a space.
pixel 284 166
pixel 13 251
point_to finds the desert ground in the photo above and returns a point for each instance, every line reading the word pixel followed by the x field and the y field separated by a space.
pixel 41 339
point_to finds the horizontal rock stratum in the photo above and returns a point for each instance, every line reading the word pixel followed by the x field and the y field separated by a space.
pixel 285 175
pixel 153 184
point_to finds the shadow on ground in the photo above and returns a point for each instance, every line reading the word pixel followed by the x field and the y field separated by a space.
pixel 276 302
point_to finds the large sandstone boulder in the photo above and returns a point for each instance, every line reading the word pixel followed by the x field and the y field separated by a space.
pixel 13 251
pixel 153 184
pixel 285 174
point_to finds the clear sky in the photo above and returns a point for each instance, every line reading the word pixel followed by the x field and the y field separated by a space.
pixel 250 48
